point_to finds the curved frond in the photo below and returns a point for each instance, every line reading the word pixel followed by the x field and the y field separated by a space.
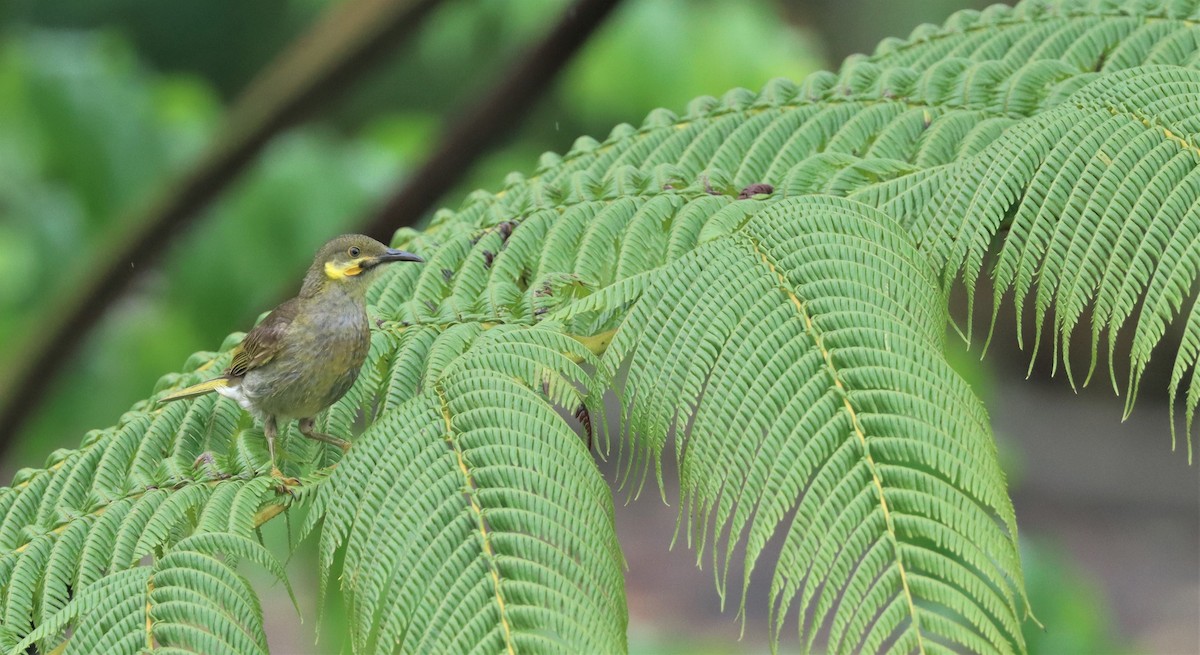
pixel 66 527
pixel 801 353
pixel 1102 192
pixel 473 517
pixel 915 119
pixel 189 600
pixel 1089 35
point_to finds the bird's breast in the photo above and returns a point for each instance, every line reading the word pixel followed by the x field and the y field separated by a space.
pixel 317 364
pixel 334 340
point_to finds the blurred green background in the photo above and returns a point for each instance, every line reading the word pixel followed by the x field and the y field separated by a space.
pixel 103 102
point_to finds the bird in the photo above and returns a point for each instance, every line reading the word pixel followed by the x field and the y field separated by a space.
pixel 307 352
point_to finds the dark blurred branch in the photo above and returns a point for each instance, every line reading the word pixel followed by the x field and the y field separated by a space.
pixel 316 68
pixel 481 126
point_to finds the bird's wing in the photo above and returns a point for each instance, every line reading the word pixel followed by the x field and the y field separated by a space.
pixel 262 343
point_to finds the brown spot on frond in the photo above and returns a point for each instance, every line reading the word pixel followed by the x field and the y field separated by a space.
pixel 756 189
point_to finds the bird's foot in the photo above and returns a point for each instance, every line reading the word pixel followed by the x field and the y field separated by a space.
pixel 285 483
pixel 308 429
pixel 331 440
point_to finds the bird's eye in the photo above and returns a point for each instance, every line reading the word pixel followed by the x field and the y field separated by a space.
pixel 353 251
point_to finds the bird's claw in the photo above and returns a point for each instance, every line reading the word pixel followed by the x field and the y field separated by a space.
pixel 286 483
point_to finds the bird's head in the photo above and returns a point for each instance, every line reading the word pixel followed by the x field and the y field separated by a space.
pixel 348 261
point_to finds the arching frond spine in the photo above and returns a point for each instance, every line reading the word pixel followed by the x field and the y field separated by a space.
pixel 801 352
pixel 1103 191
pixel 189 599
pixel 495 528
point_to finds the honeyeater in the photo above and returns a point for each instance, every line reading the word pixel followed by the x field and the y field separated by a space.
pixel 307 352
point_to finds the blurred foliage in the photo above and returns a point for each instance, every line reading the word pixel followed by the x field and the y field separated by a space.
pixel 626 71
pixel 82 134
pixel 87 135
pixel 223 41
pixel 1072 608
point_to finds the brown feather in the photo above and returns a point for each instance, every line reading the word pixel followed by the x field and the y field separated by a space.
pixel 262 343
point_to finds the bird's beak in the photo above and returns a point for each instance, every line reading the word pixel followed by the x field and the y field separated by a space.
pixel 391 255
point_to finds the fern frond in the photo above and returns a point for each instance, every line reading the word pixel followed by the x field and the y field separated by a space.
pixel 925 117
pixel 472 515
pixel 131 491
pixel 42 573
pixel 801 354
pixel 188 600
pixel 1102 191
pixel 1089 35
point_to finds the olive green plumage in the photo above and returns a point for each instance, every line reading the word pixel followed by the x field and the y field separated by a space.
pixel 306 354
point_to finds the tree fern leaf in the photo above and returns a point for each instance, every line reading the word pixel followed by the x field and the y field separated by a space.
pixel 217 511
pixel 483 540
pixel 249 498
pixel 125 552
pixel 1092 247
pixel 188 599
pixel 22 512
pixel 151 465
pixel 1091 35
pixel 337 518
pixel 450 344
pixel 1141 237
pixel 112 473
pixel 644 244
pixel 798 126
pixel 61 570
pixel 799 311
pixel 1109 156
pixel 393 289
pixel 208 424
pixel 22 585
pixel 407 366
pixel 93 598
pixel 168 517
pixel 77 497
pixel 810 314
pixel 1052 186
pixel 117 630
pixel 47 512
pixel 96 558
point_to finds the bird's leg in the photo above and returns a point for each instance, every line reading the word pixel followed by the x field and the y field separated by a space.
pixel 271 430
pixel 308 428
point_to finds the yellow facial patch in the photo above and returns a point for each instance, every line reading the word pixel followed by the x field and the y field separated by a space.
pixel 341 271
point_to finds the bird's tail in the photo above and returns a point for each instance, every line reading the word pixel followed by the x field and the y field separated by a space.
pixel 196 390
